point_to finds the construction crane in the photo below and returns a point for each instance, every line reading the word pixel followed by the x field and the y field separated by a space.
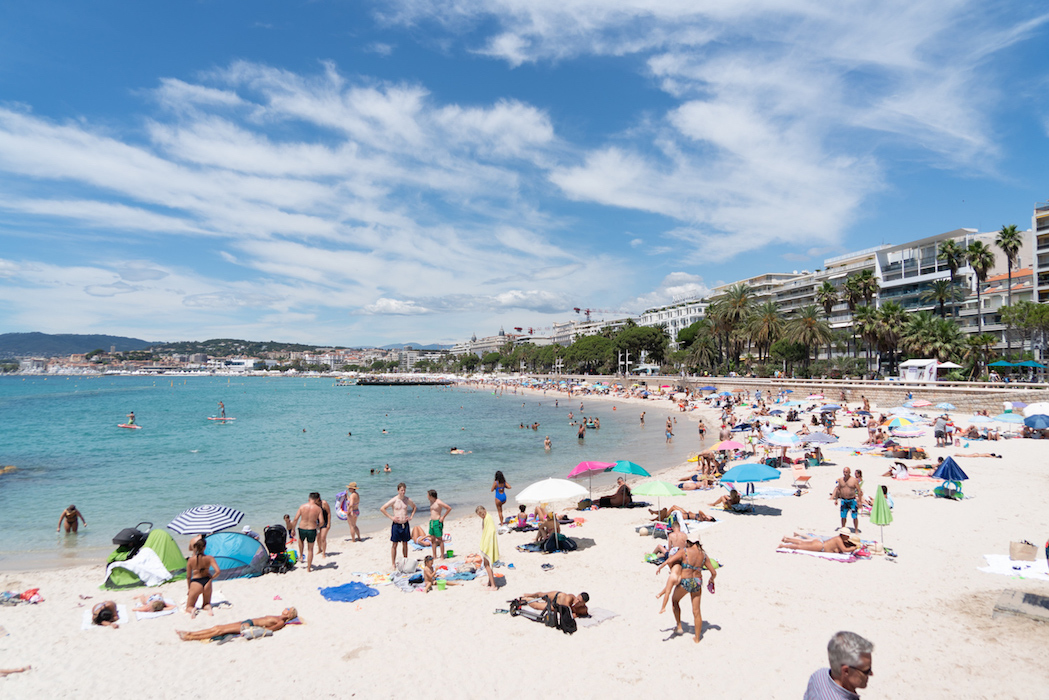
pixel 587 312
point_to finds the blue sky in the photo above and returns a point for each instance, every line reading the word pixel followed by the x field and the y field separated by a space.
pixel 362 173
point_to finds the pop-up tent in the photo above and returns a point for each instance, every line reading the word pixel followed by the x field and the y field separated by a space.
pixel 157 561
pixel 237 554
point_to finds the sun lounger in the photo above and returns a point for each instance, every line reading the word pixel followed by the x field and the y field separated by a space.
pixel 801 475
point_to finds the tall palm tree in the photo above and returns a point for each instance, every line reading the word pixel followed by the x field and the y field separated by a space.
pixel 827 297
pixel 947 340
pixel 765 326
pixel 978 350
pixel 733 308
pixel 865 324
pixel 941 292
pixel 981 259
pixel 808 329
pixel 868 285
pixel 954 255
pixel 917 335
pixel 702 354
pixel 891 319
pixel 1009 241
pixel 852 295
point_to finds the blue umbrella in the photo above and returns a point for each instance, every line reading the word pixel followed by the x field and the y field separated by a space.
pixel 725 393
pixel 625 467
pixel 945 406
pixel 749 473
pixel 1028 363
pixel 782 438
pixel 980 419
pixel 827 408
pixel 949 471
pixel 788 391
pixel 821 438
pixel 707 388
pixel 1001 363
pixel 777 412
pixel 863 413
pixel 1009 418
pixel 1039 421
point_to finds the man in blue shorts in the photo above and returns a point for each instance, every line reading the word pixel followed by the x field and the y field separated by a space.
pixel 401 529
pixel 846 493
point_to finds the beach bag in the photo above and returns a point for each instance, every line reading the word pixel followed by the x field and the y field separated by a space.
pixel 565 622
pixel 584 504
pixel 1022 551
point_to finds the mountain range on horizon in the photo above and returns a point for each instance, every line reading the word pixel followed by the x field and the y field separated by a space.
pixel 35 344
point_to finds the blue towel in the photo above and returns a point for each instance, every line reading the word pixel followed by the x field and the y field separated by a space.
pixel 462 576
pixel 348 592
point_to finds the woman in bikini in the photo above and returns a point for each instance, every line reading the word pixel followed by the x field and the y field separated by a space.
pixel 675 543
pixel 272 623
pixel 693 560
pixel 105 614
pixel 499 486
pixel 199 576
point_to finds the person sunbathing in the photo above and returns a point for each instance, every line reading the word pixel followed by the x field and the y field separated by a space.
pixel 898 471
pixel 421 537
pixel 977 454
pixel 576 603
pixel 273 623
pixel 664 513
pixel 835 545
pixel 105 614
pixel 728 500
pixel 155 603
pixel 619 499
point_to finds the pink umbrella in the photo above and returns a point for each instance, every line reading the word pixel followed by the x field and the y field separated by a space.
pixel 589 469
pixel 921 403
pixel 727 445
pixel 814 396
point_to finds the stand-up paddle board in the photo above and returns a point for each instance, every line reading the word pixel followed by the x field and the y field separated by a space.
pixel 128 425
pixel 220 419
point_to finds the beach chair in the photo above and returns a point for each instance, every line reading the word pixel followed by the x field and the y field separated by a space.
pixel 801 475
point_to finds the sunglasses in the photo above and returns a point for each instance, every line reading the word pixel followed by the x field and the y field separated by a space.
pixel 868 672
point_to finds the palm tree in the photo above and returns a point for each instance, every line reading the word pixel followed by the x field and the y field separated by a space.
pixel 917 335
pixel 941 292
pixel 978 350
pixel 702 354
pixel 981 259
pixel 954 255
pixel 947 340
pixel 865 324
pixel 868 285
pixel 765 326
pixel 852 295
pixel 891 319
pixel 733 308
pixel 808 329
pixel 827 297
pixel 1009 241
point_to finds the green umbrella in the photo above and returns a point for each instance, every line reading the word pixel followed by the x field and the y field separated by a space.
pixel 881 514
pixel 657 489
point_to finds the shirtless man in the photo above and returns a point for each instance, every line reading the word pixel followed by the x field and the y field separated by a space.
pixel 222 409
pixel 273 623
pixel 835 545
pixel 307 521
pixel 642 419
pixel 353 511
pixel 439 510
pixel 546 443
pixel 576 603
pixel 70 515
pixel 845 494
pixel 325 524
pixel 400 528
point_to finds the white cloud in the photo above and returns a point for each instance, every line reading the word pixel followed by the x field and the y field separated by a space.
pixel 394 307
pixel 677 286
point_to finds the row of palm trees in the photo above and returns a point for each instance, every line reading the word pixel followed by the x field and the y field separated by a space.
pixel 735 324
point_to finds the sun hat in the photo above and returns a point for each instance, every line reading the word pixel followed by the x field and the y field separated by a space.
pixel 693 537
pixel 352 485
pixel 844 531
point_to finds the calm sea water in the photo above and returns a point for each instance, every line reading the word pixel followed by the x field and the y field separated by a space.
pixel 62 436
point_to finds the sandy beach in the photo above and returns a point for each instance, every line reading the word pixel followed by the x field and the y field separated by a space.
pixel 928 611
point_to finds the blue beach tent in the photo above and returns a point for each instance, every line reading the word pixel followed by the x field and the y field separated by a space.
pixel 237 554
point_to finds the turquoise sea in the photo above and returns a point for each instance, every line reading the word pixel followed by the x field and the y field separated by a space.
pixel 289 438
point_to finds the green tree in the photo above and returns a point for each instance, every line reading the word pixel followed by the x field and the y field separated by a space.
pixel 469 362
pixel 868 285
pixel 788 352
pixel 981 259
pixel 765 326
pixel 865 325
pixel 941 292
pixel 1009 241
pixel 687 335
pixel 808 329
pixel 651 340
pixel 729 314
pixel 827 296
pixel 852 294
pixel 703 353
pixel 891 320
pixel 490 360
pixel 589 353
pixel 978 351
pixel 953 254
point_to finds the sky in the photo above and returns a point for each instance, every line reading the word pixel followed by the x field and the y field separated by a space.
pixel 360 173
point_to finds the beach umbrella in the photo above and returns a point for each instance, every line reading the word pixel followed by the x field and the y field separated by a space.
pixel 949 471
pixel 783 438
pixel 1039 421
pixel 1000 363
pixel 1036 408
pixel 707 388
pixel 749 474
pixel 588 469
pixel 945 406
pixel 775 420
pixel 1009 418
pixel 900 410
pixel 897 422
pixel 881 514
pixel 657 489
pixel 793 403
pixel 981 419
pixel 726 445
pixel 920 403
pixel 204 520
pixel 827 408
pixel 1017 404
pixel 814 396
pixel 788 391
pixel 907 432
pixel 777 412
pixel 550 490
pixel 626 467
pixel 863 413
pixel 725 393
pixel 1028 363
pixel 819 438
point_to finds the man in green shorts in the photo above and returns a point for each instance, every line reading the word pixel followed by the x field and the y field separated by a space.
pixel 307 520
pixel 439 510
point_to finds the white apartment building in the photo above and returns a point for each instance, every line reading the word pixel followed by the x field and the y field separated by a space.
pixel 1040 255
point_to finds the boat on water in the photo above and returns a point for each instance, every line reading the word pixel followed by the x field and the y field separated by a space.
pixel 347 381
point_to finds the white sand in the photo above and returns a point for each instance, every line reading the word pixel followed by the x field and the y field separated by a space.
pixel 928 611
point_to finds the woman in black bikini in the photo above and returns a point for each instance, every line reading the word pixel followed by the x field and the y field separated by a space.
pixel 199 576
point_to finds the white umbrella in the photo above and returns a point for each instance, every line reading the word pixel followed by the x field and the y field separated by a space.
pixel 551 490
pixel 204 520
pixel 1035 408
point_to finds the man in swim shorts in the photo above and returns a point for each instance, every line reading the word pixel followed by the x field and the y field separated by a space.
pixel 846 493
pixel 353 510
pixel 400 529
pixel 307 520
pixel 439 510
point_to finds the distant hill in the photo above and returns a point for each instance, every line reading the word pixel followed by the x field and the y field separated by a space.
pixel 44 345
pixel 416 346
pixel 222 347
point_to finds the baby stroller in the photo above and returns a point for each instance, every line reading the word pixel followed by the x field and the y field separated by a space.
pixel 554 615
pixel 276 538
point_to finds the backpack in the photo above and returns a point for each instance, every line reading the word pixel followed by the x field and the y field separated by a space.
pixel 565 621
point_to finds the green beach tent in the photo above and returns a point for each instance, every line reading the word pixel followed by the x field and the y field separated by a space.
pixel 165 548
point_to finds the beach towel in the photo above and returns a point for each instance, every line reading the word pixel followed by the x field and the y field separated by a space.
pixel 415 546
pixel 217 600
pixel 530 547
pixel 773 493
pixel 690 526
pixel 122 618
pixel 489 540
pixel 348 592
pixel 597 616
pixel 146 565
pixel 844 558
pixel 1002 564
pixel 139 615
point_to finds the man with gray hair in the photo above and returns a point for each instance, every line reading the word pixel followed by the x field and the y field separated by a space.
pixel 850 669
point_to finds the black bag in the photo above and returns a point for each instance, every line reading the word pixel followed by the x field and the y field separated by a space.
pixel 132 537
pixel 562 543
pixel 565 621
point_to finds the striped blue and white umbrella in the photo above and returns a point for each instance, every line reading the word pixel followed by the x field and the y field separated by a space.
pixel 204 520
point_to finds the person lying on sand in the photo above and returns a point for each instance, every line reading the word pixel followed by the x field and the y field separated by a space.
pixel 105 614
pixel 977 454
pixel 155 603
pixel 576 603
pixel 420 537
pixel 9 671
pixel 664 513
pixel 272 623
pixel 841 544
pixel 728 501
